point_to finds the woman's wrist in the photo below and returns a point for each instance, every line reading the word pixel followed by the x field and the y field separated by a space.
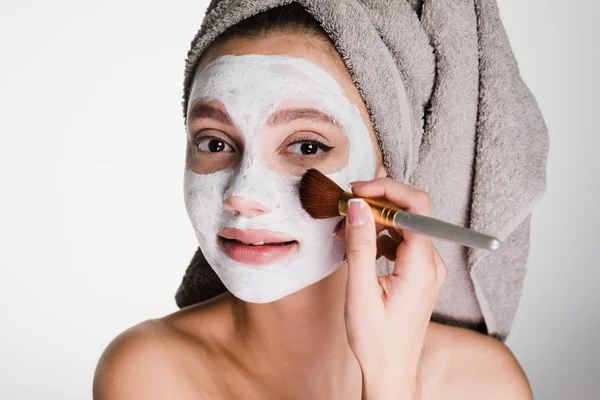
pixel 381 385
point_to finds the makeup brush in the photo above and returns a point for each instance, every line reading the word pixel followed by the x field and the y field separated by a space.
pixel 322 198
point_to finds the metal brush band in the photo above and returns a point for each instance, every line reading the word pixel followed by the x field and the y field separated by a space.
pixel 383 213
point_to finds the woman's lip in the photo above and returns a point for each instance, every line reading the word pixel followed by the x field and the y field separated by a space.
pixel 255 235
pixel 256 255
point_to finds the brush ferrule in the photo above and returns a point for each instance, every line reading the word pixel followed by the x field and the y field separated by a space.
pixel 343 203
pixel 383 213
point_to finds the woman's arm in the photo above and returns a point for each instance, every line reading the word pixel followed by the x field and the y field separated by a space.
pixel 402 355
pixel 387 317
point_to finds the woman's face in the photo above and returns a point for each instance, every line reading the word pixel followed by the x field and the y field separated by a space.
pixel 295 143
pixel 261 112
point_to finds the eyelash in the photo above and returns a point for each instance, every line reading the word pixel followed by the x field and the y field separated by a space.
pixel 304 139
pixel 317 142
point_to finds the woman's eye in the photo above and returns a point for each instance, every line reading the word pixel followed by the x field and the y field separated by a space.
pixel 309 147
pixel 212 145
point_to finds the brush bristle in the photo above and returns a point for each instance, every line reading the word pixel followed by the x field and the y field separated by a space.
pixel 319 195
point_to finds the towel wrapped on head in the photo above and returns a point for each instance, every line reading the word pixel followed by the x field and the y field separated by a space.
pixel 452 117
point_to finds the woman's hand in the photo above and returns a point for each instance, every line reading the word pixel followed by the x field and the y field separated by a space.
pixel 387 317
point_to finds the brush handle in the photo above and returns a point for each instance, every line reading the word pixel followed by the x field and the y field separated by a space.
pixel 443 230
pixel 390 215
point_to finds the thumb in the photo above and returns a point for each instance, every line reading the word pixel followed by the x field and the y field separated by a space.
pixel 361 251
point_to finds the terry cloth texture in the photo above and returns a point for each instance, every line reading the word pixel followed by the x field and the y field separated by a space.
pixel 453 118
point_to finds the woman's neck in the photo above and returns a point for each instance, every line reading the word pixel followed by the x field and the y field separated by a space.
pixel 302 338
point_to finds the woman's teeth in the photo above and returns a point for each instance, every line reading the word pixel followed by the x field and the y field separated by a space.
pixel 262 243
pixel 252 244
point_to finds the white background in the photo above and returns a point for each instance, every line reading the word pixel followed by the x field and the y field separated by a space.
pixel 93 231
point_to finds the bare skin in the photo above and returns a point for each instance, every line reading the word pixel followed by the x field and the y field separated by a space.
pixel 200 353
pixel 296 347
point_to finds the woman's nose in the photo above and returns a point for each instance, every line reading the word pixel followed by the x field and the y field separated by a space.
pixel 244 207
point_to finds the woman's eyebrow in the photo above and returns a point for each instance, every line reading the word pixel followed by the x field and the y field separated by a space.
pixel 203 110
pixel 286 116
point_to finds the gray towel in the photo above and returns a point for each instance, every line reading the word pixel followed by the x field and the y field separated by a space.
pixel 453 118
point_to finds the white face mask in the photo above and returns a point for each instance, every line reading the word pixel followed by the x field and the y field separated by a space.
pixel 251 87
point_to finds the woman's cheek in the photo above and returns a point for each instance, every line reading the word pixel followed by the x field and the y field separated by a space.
pixel 206 163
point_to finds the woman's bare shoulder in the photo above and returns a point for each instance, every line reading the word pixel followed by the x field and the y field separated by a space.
pixel 160 358
pixel 464 364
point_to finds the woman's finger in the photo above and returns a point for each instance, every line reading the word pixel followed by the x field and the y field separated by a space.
pixel 401 195
pixel 404 196
pixel 415 246
pixel 441 268
pixel 341 233
pixel 361 249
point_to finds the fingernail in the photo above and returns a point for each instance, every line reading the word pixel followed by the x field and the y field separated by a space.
pixel 337 227
pixel 356 183
pixel 356 211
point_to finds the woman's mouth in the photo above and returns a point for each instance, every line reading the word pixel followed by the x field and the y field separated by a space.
pixel 256 247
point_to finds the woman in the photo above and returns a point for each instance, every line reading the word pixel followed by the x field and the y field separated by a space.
pixel 305 316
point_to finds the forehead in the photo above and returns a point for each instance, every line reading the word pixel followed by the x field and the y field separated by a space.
pixel 253 86
pixel 253 66
pixel 258 75
pixel 296 45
